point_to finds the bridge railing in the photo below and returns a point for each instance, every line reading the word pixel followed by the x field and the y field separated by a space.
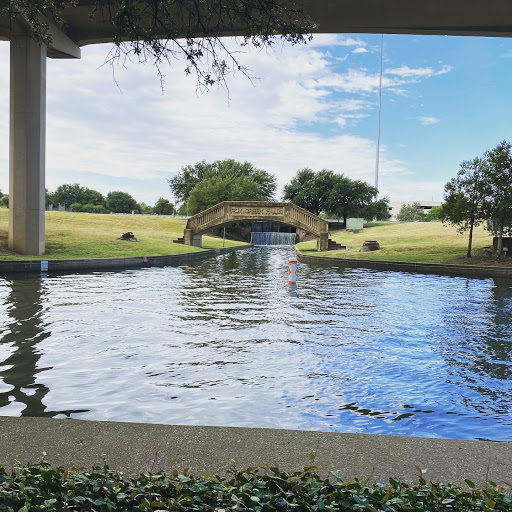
pixel 203 220
pixel 308 220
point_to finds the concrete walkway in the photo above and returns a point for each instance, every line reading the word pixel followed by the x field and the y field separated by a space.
pixel 135 447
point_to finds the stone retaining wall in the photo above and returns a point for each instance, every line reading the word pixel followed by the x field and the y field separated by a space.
pixel 422 268
pixel 88 265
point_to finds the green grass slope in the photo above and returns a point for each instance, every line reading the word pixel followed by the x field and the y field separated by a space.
pixel 87 235
pixel 425 242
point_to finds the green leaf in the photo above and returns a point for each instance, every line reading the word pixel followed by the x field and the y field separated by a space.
pixel 489 503
pixel 470 484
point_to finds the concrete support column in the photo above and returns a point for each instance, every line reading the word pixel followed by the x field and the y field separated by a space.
pixel 27 146
pixel 197 241
pixel 322 242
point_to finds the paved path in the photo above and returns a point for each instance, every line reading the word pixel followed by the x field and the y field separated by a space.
pixel 135 447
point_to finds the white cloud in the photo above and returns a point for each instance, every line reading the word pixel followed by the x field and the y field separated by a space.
pixel 428 120
pixel 411 189
pixel 407 72
pixel 335 40
pixel 360 50
pixel 354 81
pixel 134 140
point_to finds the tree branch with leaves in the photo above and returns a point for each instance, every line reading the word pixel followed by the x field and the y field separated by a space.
pixel 159 31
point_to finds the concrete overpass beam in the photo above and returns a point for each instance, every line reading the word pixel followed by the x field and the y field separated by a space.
pixel 27 146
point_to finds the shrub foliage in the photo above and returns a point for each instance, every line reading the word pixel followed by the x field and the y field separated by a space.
pixel 42 487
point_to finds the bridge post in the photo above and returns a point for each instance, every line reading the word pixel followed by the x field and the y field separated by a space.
pixel 322 242
pixel 188 236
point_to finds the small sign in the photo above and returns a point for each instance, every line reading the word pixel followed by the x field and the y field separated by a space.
pixel 44 266
pixel 144 259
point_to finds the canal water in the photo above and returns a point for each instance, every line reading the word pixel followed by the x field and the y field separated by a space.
pixel 227 341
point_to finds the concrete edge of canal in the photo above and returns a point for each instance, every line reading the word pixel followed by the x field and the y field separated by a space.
pixel 136 447
pixel 397 266
pixel 93 264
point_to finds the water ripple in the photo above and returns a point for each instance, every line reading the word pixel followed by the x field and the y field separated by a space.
pixel 228 342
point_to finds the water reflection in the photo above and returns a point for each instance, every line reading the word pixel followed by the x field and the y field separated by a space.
pixel 25 329
pixel 19 391
pixel 229 342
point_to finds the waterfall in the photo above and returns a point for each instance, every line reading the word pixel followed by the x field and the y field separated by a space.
pixel 273 238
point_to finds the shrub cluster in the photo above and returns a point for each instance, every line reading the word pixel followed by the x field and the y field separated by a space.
pixel 40 486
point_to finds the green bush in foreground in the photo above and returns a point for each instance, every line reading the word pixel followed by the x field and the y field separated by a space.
pixel 42 487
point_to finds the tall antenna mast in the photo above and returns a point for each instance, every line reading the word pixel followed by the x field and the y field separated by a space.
pixel 377 156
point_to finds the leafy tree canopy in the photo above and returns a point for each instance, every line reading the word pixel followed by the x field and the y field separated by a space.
pixel 482 191
pixel 303 190
pixel 163 207
pixel 75 194
pixel 68 194
pixel 410 213
pixel 121 202
pixel 335 194
pixel 434 214
pixel 93 197
pixel 497 188
pixel 144 208
pixel 162 30
pixel 206 184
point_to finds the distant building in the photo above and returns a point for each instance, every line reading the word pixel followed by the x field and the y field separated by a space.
pixel 58 207
pixel 395 207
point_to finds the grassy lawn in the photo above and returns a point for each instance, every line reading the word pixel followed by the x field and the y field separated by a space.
pixel 425 242
pixel 87 235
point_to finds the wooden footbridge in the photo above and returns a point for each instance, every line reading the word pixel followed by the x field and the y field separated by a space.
pixel 235 211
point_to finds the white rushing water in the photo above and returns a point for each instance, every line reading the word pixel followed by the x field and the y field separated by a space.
pixel 273 238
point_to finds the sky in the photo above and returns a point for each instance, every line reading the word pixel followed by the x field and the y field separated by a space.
pixel 444 100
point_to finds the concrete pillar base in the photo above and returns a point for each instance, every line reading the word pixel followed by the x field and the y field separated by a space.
pixel 27 146
pixel 197 241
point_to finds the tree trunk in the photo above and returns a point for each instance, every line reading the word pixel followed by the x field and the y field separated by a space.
pixel 345 220
pixel 470 242
pixel 499 248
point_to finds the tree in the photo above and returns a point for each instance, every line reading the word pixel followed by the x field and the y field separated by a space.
pixel 163 207
pixel 121 202
pixel 433 214
pixel 351 198
pixel 90 196
pixel 497 202
pixel 464 195
pixel 146 209
pixel 410 213
pixel 334 194
pixel 377 210
pixel 182 184
pixel 49 197
pixel 303 190
pixel 68 194
pixel 161 30
pixel 206 184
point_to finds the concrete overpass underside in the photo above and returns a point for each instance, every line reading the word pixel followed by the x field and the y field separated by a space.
pixel 28 75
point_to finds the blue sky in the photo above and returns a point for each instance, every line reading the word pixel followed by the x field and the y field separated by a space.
pixel 445 99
